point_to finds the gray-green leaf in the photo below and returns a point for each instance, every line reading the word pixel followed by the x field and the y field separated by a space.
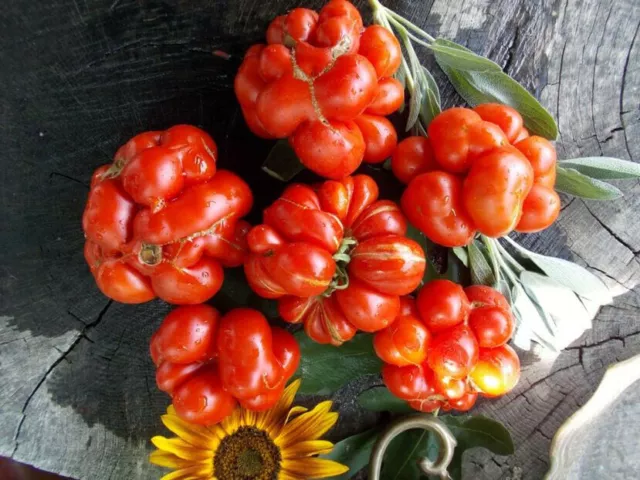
pixel 532 324
pixel 479 80
pixel 603 168
pixel 572 182
pixel 569 274
pixel 569 313
pixel 481 272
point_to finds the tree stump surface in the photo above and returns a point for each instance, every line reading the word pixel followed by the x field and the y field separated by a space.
pixel 80 77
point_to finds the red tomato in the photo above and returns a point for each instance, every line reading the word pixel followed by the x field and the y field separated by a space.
pixel 463 404
pixel 451 388
pixel 459 136
pixel 540 209
pixel 454 352
pixel 389 97
pixel 404 342
pixel 334 284
pixel 497 371
pixel 160 221
pixel 379 135
pixel 481 295
pixel 540 152
pixel 495 189
pixel 407 383
pixel 208 363
pixel 186 335
pixel 492 326
pixel 506 117
pixel 433 203
pixel 412 157
pixel 317 75
pixel 382 49
pixel 442 304
pixel 342 151
pixel 203 400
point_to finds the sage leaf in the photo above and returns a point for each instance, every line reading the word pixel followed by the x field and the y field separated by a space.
pixel 462 254
pixel 531 324
pixel 325 368
pixel 354 452
pixel 570 315
pixel 603 168
pixel 479 80
pixel 572 182
pixel 569 274
pixel 282 162
pixel 431 83
pixel 431 98
pixel 415 105
pixel 380 399
pixel 481 271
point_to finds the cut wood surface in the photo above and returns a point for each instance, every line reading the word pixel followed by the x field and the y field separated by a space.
pixel 79 77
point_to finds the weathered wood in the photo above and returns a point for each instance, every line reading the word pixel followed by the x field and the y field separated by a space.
pixel 80 77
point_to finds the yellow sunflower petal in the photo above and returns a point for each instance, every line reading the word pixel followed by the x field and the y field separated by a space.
pixel 194 434
pixel 294 412
pixel 313 467
pixel 307 449
pixel 197 471
pixel 181 449
pixel 274 417
pixel 288 476
pixel 308 426
pixel 232 422
pixel 168 460
pixel 249 418
pixel 171 410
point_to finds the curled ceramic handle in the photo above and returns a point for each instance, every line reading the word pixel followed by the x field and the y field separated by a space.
pixel 425 422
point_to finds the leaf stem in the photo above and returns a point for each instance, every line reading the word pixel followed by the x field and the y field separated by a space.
pixel 493 256
pixel 401 27
pixel 407 23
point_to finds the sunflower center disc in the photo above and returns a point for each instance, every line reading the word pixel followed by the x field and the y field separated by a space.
pixel 248 454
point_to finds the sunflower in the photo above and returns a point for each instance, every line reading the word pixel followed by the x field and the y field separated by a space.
pixel 278 444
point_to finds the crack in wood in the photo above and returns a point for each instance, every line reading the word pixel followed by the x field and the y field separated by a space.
pixel 610 230
pixel 76 341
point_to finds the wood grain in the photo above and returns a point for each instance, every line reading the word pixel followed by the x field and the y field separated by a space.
pixel 81 76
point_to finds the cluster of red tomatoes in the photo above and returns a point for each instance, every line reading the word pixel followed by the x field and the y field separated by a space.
pixel 324 80
pixel 208 363
pixel 336 257
pixel 449 345
pixel 479 171
pixel 160 221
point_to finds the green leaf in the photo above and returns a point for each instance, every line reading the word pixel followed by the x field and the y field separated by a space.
pixel 431 98
pixel 325 368
pixel 380 399
pixel 603 168
pixel 442 263
pixel 532 324
pixel 404 452
pixel 481 272
pixel 479 80
pixel 354 452
pixel 282 162
pixel 569 274
pixel 462 254
pixel 572 182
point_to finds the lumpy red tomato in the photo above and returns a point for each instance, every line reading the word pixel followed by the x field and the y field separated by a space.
pixel 324 79
pixel 160 221
pixel 336 258
pixel 209 362
pixel 478 172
